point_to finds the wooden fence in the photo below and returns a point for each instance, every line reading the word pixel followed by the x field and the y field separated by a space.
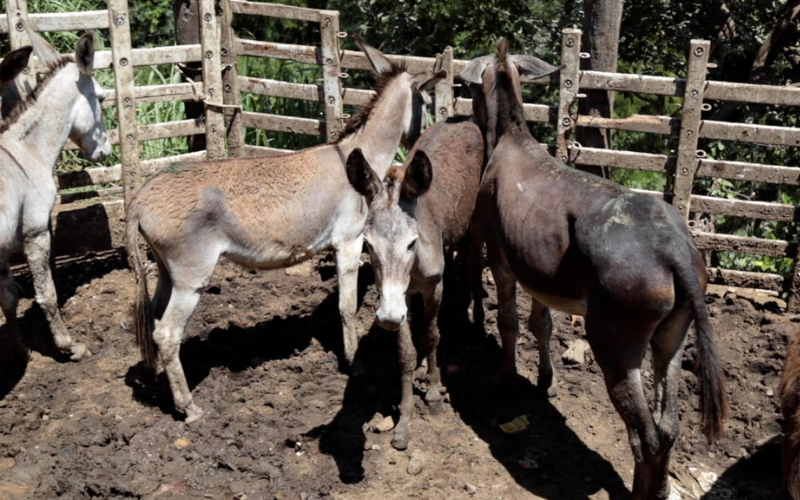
pixel 222 88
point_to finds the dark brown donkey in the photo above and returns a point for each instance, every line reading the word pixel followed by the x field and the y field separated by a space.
pixel 415 214
pixel 587 246
pixel 789 394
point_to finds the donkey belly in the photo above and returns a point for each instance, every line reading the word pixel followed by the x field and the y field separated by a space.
pixel 569 305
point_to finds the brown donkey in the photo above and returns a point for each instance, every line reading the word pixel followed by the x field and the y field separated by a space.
pixel 415 214
pixel 262 212
pixel 789 395
pixel 587 246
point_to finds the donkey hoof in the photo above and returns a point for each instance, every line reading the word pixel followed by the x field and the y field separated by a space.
pixel 79 352
pixel 193 414
pixel 400 440
pixel 435 407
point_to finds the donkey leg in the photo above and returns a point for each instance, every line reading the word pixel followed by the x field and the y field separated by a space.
pixel 475 265
pixel 430 341
pixel 167 336
pixel 348 260
pixel 507 317
pixel 37 251
pixel 619 350
pixel 9 300
pixel 541 324
pixel 408 360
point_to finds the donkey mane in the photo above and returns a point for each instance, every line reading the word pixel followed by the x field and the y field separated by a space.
pixel 23 104
pixel 382 81
pixel 511 116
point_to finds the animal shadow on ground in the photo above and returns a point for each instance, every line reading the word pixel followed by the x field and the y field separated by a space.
pixel 548 459
pixel 760 470
pixel 239 348
pixel 69 275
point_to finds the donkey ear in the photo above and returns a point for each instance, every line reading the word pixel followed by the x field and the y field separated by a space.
pixel 428 79
pixel 380 63
pixel 361 176
pixel 533 67
pixel 43 49
pixel 14 63
pixel 418 177
pixel 84 54
pixel 473 73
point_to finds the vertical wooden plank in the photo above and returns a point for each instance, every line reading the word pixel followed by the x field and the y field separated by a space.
pixel 120 32
pixel 16 10
pixel 687 161
pixel 443 105
pixel 568 88
pixel 230 84
pixel 331 70
pixel 212 80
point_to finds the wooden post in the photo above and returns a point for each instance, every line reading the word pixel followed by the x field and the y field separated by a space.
pixel 17 10
pixel 212 80
pixel 331 73
pixel 230 83
pixel 687 161
pixel 120 31
pixel 443 105
pixel 568 88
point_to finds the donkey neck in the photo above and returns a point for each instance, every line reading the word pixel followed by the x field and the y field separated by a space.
pixel 381 134
pixel 42 128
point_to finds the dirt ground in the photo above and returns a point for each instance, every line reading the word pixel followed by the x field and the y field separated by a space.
pixel 284 420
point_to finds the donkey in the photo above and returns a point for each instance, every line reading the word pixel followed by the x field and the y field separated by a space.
pixel 11 91
pixel 65 104
pixel 789 396
pixel 415 214
pixel 587 246
pixel 262 212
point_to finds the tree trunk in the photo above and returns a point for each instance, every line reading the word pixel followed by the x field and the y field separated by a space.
pixel 601 40
pixel 187 32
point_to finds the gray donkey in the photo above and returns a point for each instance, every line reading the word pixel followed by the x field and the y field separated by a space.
pixel 65 104
pixel 415 215
pixel 262 212
pixel 588 246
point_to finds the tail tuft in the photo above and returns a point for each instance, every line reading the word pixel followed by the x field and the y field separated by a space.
pixel 143 319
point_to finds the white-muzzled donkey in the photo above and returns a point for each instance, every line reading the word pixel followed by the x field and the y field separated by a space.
pixel 266 213
pixel 66 104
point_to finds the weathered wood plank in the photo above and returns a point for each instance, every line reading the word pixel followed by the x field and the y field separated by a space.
pixel 150 167
pixel 745 208
pixel 658 85
pixel 622 159
pixel 63 21
pixel 533 112
pixel 89 177
pixel 331 71
pixel 443 93
pixel 210 35
pixel 278 123
pixel 275 10
pixel 665 125
pixel 230 84
pixel 741 244
pixel 748 92
pixel 690 126
pixel 744 279
pixel 568 91
pixel 167 130
pixel 752 133
pixel 749 172
pixel 286 51
pixel 87 195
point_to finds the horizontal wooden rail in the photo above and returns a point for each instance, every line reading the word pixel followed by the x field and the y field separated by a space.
pixel 280 123
pixel 742 244
pixel 744 208
pixel 62 21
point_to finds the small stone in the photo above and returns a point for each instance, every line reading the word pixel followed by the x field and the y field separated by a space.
pixel 575 353
pixel 385 425
pixel 416 463
pixel 770 392
pixel 181 443
pixel 471 489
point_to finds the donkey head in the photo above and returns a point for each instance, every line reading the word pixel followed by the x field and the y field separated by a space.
pixel 494 81
pixel 12 91
pixel 413 106
pixel 88 130
pixel 391 231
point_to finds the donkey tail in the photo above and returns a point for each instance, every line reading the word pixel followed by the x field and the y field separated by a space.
pixel 707 368
pixel 143 320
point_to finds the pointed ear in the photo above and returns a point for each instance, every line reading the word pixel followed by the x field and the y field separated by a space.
pixel 380 63
pixel 533 67
pixel 361 176
pixel 14 63
pixel 428 79
pixel 473 73
pixel 43 49
pixel 418 177
pixel 84 54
